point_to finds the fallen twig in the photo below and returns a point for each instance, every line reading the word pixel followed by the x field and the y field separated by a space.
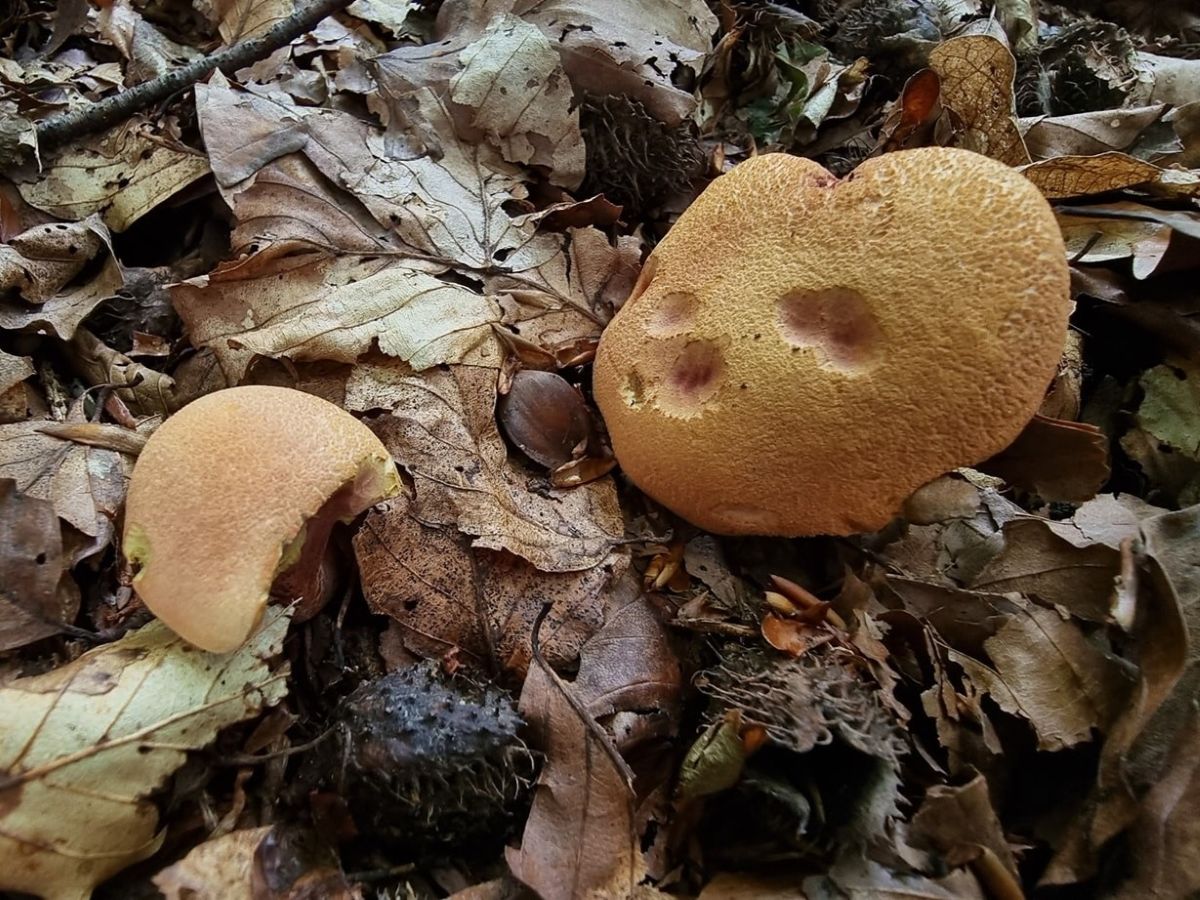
pixel 63 127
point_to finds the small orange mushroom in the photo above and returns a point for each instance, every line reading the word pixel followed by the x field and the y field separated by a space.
pixel 802 352
pixel 235 489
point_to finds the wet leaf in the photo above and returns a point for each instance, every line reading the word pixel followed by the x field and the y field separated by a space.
pixel 122 716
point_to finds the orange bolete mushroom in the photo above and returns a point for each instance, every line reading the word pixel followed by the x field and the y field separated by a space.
pixel 802 352
pixel 237 488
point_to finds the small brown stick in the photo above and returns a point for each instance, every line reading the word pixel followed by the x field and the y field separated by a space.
pixel 63 127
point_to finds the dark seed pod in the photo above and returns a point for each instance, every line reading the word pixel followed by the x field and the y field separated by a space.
pixel 428 764
pixel 545 417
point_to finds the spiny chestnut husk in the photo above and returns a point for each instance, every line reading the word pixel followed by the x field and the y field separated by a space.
pixel 428 764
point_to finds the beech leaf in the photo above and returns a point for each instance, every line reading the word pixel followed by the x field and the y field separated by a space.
pixel 100 735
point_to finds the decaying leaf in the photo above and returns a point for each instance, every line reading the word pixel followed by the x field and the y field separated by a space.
pixel 41 261
pixel 62 313
pixel 1045 670
pixel 85 484
pixel 442 430
pixel 519 98
pixel 976 73
pixel 100 735
pixel 444 594
pixel 150 52
pixel 121 174
pixel 37 592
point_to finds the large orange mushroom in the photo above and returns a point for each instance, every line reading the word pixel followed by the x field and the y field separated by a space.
pixel 236 489
pixel 802 352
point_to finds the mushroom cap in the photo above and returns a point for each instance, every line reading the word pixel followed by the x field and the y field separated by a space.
pixel 221 493
pixel 801 352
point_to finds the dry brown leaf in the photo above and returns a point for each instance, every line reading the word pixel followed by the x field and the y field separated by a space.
pixel 977 73
pixel 749 886
pixel 858 878
pixel 1164 838
pixel 617 47
pixel 444 595
pixel 62 314
pixel 122 174
pixel 1161 705
pixel 150 53
pixel 1045 670
pixel 145 391
pixel 13 370
pixel 100 735
pixel 37 592
pixel 41 261
pixel 315 307
pixel 959 821
pixel 218 869
pixel 629 666
pixel 1108 519
pixel 1035 560
pixel 580 839
pixel 518 97
pixel 442 430
pixel 1060 461
pixel 1081 176
pixel 1089 133
pixel 241 19
pixel 86 485
pixel 793 636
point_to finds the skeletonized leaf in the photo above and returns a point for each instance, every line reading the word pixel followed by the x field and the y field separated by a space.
pixel 977 74
pixel 99 735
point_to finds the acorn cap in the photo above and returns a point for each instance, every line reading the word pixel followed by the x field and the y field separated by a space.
pixel 802 352
pixel 220 495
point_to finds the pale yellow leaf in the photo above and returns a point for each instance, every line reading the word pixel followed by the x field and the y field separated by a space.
pixel 122 174
pixel 98 736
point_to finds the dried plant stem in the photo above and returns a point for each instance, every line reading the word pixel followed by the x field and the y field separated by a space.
pixel 67 126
